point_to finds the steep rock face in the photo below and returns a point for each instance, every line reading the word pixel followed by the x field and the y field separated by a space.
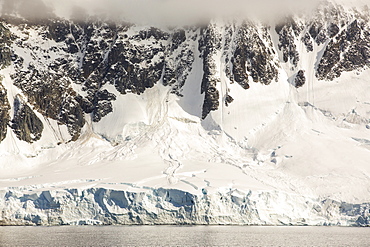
pixel 324 25
pixel 179 58
pixel 4 112
pixel 25 124
pixel 300 79
pixel 5 60
pixel 46 81
pixel 287 33
pixel 72 69
pixel 209 45
pixel 89 55
pixel 245 53
pixel 253 56
pixel 5 51
pixel 348 50
pixel 52 97
pixel 126 55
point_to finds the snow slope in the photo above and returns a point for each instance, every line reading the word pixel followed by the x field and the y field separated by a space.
pixel 276 155
pixel 302 150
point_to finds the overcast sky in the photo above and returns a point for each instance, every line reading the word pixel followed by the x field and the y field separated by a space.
pixel 171 11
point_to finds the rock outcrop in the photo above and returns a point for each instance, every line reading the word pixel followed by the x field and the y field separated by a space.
pixel 300 79
pixel 4 112
pixel 64 67
pixel 349 50
pixel 25 124
pixel 209 44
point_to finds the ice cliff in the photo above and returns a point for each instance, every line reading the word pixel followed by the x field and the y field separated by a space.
pixel 100 206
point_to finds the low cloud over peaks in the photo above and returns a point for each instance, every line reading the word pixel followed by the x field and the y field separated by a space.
pixel 156 11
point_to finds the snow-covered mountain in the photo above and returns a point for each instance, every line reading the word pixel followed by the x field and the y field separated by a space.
pixel 225 122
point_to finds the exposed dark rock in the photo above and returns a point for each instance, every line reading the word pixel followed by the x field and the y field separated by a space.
pixel 86 105
pixel 5 51
pixel 178 38
pixel 321 38
pixel 71 114
pixel 102 104
pixel 59 29
pixel 4 112
pixel 300 79
pixel 252 55
pixel 333 30
pixel 318 32
pixel 315 30
pixel 179 58
pixel 353 32
pixel 326 22
pixel 228 100
pixel 209 43
pixel 25 124
pixel 101 109
pixel 287 33
pixel 228 51
pixel 239 68
pixel 64 68
pixel 350 50
pixel 124 59
pixel 328 61
pixel 51 96
pixel 5 60
pixel 306 39
pixel 152 32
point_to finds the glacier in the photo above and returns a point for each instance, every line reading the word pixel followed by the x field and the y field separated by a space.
pixel 99 206
pixel 237 122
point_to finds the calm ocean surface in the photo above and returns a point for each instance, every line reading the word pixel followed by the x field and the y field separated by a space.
pixel 183 236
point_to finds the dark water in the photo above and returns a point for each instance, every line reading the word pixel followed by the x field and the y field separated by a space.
pixel 183 236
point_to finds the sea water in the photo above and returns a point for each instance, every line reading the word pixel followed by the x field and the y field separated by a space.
pixel 184 236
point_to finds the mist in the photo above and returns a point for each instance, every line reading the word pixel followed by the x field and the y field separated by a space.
pixel 156 11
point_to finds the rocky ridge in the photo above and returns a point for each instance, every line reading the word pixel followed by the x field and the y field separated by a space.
pixel 62 66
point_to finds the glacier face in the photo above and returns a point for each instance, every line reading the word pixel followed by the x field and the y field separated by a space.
pixel 232 122
pixel 98 206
